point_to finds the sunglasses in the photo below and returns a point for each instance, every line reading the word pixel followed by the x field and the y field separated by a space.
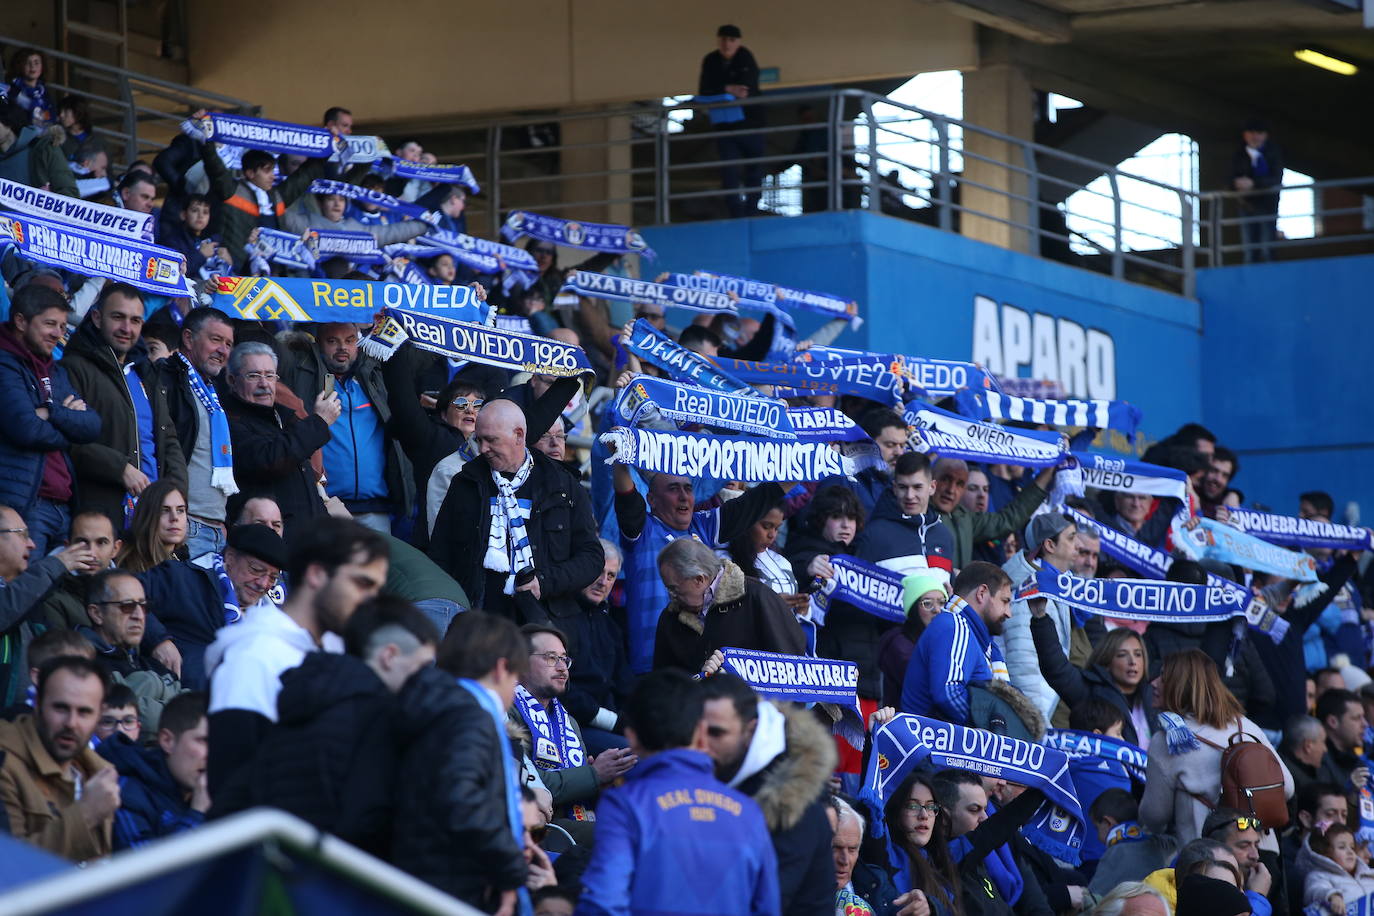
pixel 127 606
pixel 467 403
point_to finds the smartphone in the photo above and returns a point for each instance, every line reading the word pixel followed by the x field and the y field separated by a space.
pixel 328 383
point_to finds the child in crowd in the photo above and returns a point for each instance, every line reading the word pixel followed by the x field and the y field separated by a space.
pixel 1335 874
pixel 119 713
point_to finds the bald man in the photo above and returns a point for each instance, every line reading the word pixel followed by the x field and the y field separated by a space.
pixel 516 529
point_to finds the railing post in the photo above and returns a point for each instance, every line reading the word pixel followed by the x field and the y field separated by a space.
pixel 1214 229
pixel 834 182
pixel 494 176
pixel 943 178
pixel 662 216
pixel 874 186
pixel 126 94
pixel 1033 195
pixel 1118 264
pixel 1187 250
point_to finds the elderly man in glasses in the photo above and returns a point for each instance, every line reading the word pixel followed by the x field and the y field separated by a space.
pixel 118 610
pixel 555 744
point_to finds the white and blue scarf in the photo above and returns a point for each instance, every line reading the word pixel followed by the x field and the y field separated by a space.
pixel 227 593
pixel 357 247
pixel 221 444
pixel 799 679
pixel 149 267
pixel 1150 600
pixel 698 455
pixel 277 137
pixel 630 289
pixel 521 264
pixel 938 378
pixel 436 174
pixel 786 297
pixel 352 301
pixel 1096 414
pixel 465 340
pixel 656 348
pixel 1301 532
pixel 367 196
pixel 1212 540
pixel 556 745
pixel 866 377
pixel 1126 475
pixel 364 148
pixel 647 397
pixel 908 741
pixel 1089 744
pixel 508 541
pixel 869 588
pixel 607 237
pixel 826 424
pixel 952 436
pixel 104 218
pixel 279 247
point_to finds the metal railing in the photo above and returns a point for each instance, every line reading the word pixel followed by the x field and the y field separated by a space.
pixel 1241 226
pixel 134 115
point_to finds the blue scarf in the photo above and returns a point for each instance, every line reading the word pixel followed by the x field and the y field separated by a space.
pixel 227 593
pixel 363 148
pixel 1137 599
pixel 221 444
pixel 872 589
pixel 506 257
pixel 909 741
pixel 358 247
pixel 1365 833
pixel 437 174
pixel 1088 744
pixel 1095 414
pixel 366 196
pixel 466 340
pixel 799 679
pixel 1126 475
pixel 656 348
pixel 353 301
pixel 149 267
pixel 118 221
pixel 1301 532
pixel 952 436
pixel 826 424
pixel 285 248
pixel 683 403
pixel 1214 541
pixel 938 378
pixel 607 237
pixel 1000 863
pixel 786 297
pixel 866 378
pixel 629 289
pixel 276 137
pixel 699 455
pixel 556 744
pixel 1126 832
pixel 512 782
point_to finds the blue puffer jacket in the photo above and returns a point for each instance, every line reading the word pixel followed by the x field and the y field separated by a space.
pixel 674 839
pixel 25 438
pixel 151 804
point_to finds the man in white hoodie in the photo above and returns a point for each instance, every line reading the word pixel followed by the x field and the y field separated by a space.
pixel 1051 539
pixel 333 565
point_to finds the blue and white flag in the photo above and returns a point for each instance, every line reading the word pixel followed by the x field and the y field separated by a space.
pixel 1214 541
pixel 149 267
pixel 699 455
pixel 864 378
pixel 119 221
pixel 366 196
pixel 607 237
pixel 1126 475
pixel 357 247
pixel 437 174
pixel 1096 414
pixel 354 301
pixel 275 137
pixel 629 289
pixel 872 589
pixel 466 340
pixel 799 679
pixel 681 402
pixel 1089 744
pixel 1137 599
pixel 658 349
pixel 952 436
pixel 1301 532
pixel 787 297
pixel 908 741
pixel 285 248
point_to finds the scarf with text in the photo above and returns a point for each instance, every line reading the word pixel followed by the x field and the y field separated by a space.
pixel 658 349
pixel 354 301
pixel 869 588
pixel 1096 414
pixel 698 455
pixel 799 679
pixel 866 378
pixel 366 196
pixel 1087 744
pixel 1126 475
pixel 827 424
pixel 149 267
pixel 952 436
pixel 93 217
pixel 464 340
pixel 1301 532
pixel 1150 600
pixel 285 248
pixel 556 745
pixel 683 403
pixel 436 174
pixel 938 378
pixel 221 444
pixel 357 247
pixel 786 297
pixel 276 137
pixel 629 289
pixel 506 257
pixel 610 238
pixel 1212 540
pixel 908 741
pixel 364 148
pixel 508 542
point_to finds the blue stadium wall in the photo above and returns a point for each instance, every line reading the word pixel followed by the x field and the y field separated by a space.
pixel 1264 332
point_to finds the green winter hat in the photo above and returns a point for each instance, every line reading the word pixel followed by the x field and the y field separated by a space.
pixel 917 584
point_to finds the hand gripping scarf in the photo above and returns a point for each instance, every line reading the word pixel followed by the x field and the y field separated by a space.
pixel 799 679
pixel 465 340
pixel 652 345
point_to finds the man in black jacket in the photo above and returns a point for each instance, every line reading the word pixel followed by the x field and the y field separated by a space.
pixel 457 784
pixel 1257 168
pixel 783 760
pixel 516 529
pixel 272 447
pixel 732 69
pixel 601 680
pixel 107 363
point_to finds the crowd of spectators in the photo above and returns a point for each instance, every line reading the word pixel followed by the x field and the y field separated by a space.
pixel 317 626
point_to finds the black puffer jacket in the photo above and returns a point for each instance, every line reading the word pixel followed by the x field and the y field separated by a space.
pixel 1075 686
pixel 272 450
pixel 331 758
pixel 453 826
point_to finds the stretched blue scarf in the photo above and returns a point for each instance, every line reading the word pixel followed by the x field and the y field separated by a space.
pixel 1301 532
pixel 353 301
pixel 656 348
pixel 276 137
pixel 826 424
pixel 1096 414
pixel 437 174
pixel 607 237
pixel 1089 744
pixel 1138 599
pixel 285 248
pixel 149 267
pixel 684 403
pixel 94 217
pixel 512 782
pixel 1126 475
pixel 366 196
pixel 221 444
pixel 908 741
pixel 787 297
pixel 465 340
pixel 699 455
pixel 872 589
pixel 938 378
pixel 866 378
pixel 629 289
pixel 358 247
pixel 1214 541
pixel 800 679
pixel 952 436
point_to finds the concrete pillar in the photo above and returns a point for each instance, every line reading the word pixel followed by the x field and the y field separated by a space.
pixel 997 97
pixel 606 149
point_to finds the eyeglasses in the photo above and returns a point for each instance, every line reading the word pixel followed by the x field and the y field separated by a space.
pixel 930 808
pixel 553 659
pixel 116 722
pixel 127 606
pixel 930 604
pixel 261 573
pixel 466 404
pixel 551 438
pixel 22 532
pixel 256 377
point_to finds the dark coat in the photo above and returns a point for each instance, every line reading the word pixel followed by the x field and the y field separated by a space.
pixel 25 438
pixel 181 401
pixel 451 793
pixel 602 677
pixel 1250 683
pixel 1075 686
pixel 187 601
pixel 238 215
pixel 331 758
pixel 746 615
pixel 561 530
pixel 272 450
pixel 803 546
pixel 150 802
pixel 99 378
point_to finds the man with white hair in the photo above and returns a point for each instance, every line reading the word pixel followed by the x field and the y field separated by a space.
pixel 602 679
pixel 1132 898
pixel 516 529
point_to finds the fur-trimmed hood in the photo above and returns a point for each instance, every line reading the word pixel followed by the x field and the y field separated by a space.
pixel 791 781
pixel 1020 704
pixel 729 592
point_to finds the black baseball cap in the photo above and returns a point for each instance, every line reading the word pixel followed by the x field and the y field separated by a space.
pixel 728 31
